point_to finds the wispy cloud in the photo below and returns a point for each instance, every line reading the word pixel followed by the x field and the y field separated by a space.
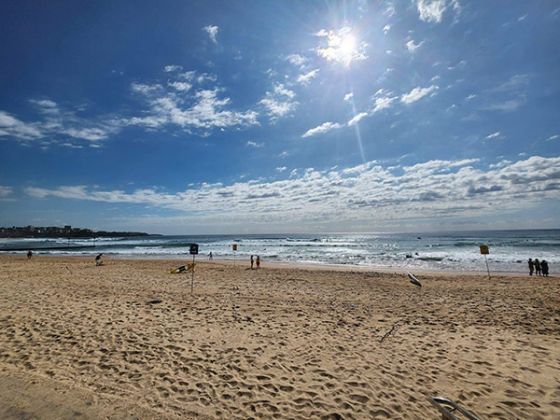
pixel 5 191
pixel 12 127
pixel 304 79
pixel 493 135
pixel 357 118
pixel 172 67
pixel 57 124
pixel 418 93
pixel 321 129
pixel 212 31
pixel 297 60
pixel 412 47
pixel 431 10
pixel 507 96
pixel 254 144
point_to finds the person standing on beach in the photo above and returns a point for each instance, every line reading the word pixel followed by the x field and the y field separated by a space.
pixel 29 254
pixel 258 262
pixel 98 259
pixel 210 256
pixel 252 262
pixel 531 266
pixel 544 268
pixel 537 267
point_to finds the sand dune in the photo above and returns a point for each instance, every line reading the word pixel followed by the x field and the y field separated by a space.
pixel 128 339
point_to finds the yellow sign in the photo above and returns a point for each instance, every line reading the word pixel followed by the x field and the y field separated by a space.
pixel 234 247
pixel 484 250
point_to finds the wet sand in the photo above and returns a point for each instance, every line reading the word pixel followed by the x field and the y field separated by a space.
pixel 129 340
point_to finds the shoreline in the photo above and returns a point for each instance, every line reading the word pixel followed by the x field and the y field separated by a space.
pixel 319 266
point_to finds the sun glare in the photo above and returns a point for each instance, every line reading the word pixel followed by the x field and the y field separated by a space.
pixel 348 45
pixel 342 46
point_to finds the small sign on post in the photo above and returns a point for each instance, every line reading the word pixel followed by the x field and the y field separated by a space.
pixel 193 250
pixel 234 248
pixel 484 250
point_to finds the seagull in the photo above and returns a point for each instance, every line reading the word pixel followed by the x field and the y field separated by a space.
pixel 414 280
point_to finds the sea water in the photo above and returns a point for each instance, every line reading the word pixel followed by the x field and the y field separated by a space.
pixel 458 251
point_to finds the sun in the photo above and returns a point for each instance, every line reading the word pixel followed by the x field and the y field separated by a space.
pixel 348 46
pixel 343 46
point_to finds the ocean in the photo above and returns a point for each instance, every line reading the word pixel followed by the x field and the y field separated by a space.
pixel 456 251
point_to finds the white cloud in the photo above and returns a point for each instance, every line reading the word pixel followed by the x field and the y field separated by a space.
pixel 212 32
pixel 280 102
pixel 493 135
pixel 383 102
pixel 348 97
pixel 417 93
pixel 254 144
pixel 321 129
pixel 281 168
pixel 180 86
pixel 470 97
pixel 367 193
pixel 304 79
pixel 431 10
pixel 357 118
pixel 554 137
pixel 386 29
pixel 12 127
pixel 192 103
pixel 171 68
pixel 412 47
pixel 56 124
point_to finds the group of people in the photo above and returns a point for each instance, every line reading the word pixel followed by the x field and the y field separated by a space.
pixel 257 260
pixel 540 268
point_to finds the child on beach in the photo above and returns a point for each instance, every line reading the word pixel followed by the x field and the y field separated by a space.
pixel 531 266
pixel 537 267
pixel 258 262
pixel 252 262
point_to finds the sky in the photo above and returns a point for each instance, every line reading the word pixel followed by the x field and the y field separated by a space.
pixel 196 117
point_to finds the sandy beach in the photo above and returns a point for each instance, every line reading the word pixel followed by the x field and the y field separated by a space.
pixel 129 340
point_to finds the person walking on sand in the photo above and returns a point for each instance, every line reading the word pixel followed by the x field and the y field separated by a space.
pixel 544 268
pixel 210 256
pixel 29 254
pixel 537 267
pixel 531 266
pixel 252 261
pixel 98 259
pixel 258 262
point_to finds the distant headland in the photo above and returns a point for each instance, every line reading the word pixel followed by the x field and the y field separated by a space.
pixel 60 232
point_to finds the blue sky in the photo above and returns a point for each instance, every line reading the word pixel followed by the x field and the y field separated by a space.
pixel 280 116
